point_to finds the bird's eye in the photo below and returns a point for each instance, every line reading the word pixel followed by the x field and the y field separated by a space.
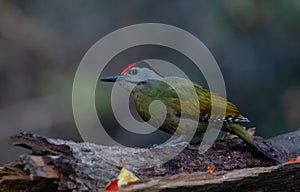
pixel 134 71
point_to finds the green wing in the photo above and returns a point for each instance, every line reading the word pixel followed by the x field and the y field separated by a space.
pixel 205 98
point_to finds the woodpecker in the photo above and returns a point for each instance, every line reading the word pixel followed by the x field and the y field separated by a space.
pixel 147 85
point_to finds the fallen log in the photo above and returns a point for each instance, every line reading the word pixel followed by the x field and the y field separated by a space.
pixel 58 165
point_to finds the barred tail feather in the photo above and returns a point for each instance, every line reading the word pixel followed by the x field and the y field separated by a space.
pixel 239 130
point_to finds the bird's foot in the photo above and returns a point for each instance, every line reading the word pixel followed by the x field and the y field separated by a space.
pixel 251 131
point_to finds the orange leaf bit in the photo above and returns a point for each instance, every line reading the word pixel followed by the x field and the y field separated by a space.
pixel 211 168
pixel 199 163
pixel 112 185
pixel 293 160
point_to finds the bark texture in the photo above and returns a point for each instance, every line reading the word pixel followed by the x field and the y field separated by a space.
pixel 58 165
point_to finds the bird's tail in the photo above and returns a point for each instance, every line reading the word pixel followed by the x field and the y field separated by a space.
pixel 239 130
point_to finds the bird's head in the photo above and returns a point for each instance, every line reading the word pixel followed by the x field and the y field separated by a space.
pixel 133 74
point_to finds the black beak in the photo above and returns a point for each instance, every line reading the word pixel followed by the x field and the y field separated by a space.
pixel 110 78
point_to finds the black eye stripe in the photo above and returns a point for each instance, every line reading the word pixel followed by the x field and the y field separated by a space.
pixel 142 83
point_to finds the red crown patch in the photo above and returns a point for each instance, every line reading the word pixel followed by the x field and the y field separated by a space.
pixel 127 67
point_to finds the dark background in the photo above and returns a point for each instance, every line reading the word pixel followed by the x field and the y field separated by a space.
pixel 256 44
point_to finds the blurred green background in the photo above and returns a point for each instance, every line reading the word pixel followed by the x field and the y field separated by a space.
pixel 256 44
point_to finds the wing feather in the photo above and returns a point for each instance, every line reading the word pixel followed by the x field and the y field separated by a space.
pixel 205 98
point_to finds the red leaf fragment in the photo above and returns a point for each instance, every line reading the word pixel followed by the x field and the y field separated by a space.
pixel 112 185
pixel 293 160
